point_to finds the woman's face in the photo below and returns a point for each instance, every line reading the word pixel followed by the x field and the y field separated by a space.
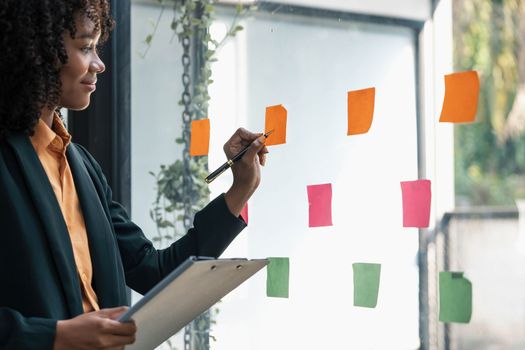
pixel 79 74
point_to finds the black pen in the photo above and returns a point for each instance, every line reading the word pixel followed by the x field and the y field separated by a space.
pixel 230 162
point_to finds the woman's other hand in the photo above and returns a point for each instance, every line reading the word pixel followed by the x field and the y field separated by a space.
pixel 95 330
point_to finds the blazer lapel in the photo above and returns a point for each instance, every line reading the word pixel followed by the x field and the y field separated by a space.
pixel 108 274
pixel 53 222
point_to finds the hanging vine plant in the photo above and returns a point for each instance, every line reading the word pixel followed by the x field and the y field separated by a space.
pixel 169 180
pixel 180 189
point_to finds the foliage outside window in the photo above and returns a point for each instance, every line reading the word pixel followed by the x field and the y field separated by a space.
pixel 489 37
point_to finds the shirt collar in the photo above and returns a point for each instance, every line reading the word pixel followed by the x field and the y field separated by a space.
pixel 56 138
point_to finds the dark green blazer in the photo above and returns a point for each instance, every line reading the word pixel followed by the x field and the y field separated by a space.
pixel 39 280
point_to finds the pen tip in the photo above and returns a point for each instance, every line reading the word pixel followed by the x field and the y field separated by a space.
pixel 269 133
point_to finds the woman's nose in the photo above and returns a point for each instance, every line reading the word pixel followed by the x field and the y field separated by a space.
pixel 97 66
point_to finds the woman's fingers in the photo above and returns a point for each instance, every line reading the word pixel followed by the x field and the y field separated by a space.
pixel 262 159
pixel 239 140
pixel 120 328
pixel 242 138
pixel 112 313
pixel 246 135
pixel 117 341
pixel 254 149
pixel 262 155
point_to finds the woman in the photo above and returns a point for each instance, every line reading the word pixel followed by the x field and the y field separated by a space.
pixel 67 250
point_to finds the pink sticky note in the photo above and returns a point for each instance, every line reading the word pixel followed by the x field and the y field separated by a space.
pixel 319 205
pixel 416 203
pixel 244 213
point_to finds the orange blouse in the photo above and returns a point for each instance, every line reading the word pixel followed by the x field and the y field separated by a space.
pixel 50 146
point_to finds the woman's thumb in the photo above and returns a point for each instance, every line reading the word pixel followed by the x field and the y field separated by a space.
pixel 115 312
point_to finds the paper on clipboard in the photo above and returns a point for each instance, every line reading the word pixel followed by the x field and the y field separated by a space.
pixel 188 291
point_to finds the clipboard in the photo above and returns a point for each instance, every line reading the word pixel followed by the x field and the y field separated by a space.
pixel 188 291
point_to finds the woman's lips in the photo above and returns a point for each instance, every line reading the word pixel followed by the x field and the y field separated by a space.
pixel 92 86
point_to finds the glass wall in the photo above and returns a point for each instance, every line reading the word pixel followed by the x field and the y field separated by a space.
pixel 308 63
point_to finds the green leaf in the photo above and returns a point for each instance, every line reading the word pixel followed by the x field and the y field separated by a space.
pixel 179 140
pixel 165 223
pixel 239 8
pixel 148 39
pixel 209 8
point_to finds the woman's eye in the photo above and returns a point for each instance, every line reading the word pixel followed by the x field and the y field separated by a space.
pixel 87 49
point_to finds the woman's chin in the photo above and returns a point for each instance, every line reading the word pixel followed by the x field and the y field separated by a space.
pixel 79 105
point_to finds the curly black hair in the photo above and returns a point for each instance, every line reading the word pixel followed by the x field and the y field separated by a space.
pixel 33 51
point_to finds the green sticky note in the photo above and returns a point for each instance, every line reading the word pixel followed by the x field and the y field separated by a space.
pixel 455 297
pixel 278 274
pixel 366 284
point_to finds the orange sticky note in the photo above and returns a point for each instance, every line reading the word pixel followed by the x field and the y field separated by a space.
pixel 360 110
pixel 461 97
pixel 276 120
pixel 200 137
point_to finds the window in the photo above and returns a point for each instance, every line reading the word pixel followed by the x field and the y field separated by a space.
pixel 306 59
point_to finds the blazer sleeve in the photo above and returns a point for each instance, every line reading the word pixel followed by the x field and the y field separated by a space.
pixel 18 332
pixel 214 228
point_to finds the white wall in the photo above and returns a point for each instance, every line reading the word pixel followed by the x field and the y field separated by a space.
pixel 489 252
